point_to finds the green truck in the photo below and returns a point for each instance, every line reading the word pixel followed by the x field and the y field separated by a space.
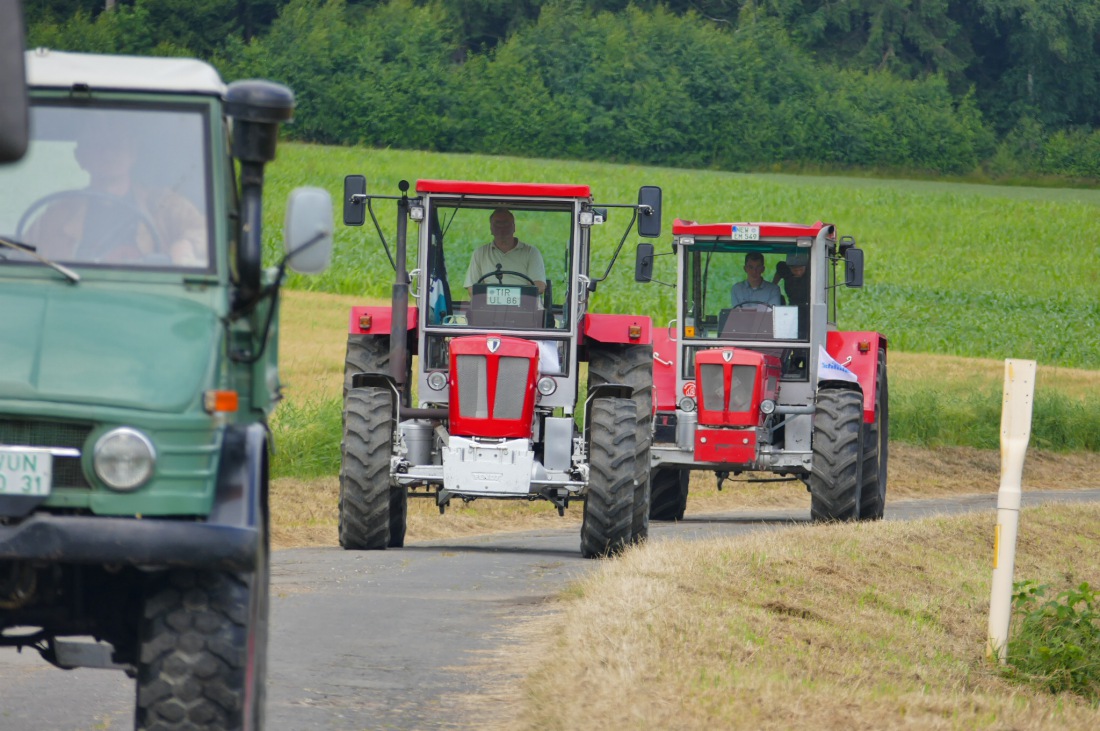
pixel 138 370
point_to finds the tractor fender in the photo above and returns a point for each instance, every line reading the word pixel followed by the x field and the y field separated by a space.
pixel 617 329
pixel 862 348
pixel 664 370
pixel 240 498
pixel 375 320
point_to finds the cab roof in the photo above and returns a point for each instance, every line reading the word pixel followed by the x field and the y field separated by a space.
pixel 725 230
pixel 62 70
pixel 530 190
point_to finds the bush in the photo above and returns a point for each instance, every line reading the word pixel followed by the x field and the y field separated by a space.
pixel 1056 643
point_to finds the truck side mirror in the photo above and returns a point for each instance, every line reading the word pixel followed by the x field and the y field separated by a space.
pixel 307 232
pixel 853 267
pixel 355 200
pixel 649 211
pixel 643 263
pixel 14 123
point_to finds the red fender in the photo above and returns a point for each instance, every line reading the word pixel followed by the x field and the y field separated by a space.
pixel 862 348
pixel 376 320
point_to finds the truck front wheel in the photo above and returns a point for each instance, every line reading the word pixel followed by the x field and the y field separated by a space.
pixel 203 650
pixel 835 478
pixel 607 526
pixel 365 493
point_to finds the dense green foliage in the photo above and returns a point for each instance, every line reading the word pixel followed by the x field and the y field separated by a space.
pixel 1001 88
pixel 1056 642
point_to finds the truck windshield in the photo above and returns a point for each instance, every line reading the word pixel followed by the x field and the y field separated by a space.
pixel 738 292
pixel 110 187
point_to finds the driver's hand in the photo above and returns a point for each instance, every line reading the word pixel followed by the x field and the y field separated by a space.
pixel 782 271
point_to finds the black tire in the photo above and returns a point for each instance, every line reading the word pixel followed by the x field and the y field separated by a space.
pixel 631 365
pixel 200 632
pixel 876 450
pixel 371 354
pixel 365 494
pixel 399 515
pixel 607 526
pixel 835 478
pixel 670 492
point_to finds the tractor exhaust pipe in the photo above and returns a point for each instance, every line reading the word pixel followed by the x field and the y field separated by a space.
pixel 399 323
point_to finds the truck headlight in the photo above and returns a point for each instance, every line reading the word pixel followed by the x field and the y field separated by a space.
pixel 124 459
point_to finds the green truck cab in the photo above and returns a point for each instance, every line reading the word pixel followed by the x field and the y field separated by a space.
pixel 138 369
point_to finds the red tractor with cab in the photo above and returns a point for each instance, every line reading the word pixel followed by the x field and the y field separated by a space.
pixel 493 407
pixel 753 376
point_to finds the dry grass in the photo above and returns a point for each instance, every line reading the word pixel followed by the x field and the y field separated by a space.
pixel 312 341
pixel 841 627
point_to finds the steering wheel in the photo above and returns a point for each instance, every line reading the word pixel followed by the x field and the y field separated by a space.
pixel 501 273
pixel 739 305
pixel 91 249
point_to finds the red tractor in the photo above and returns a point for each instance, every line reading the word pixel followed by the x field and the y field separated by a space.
pixel 753 375
pixel 492 408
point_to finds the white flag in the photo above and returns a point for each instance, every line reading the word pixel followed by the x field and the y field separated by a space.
pixel 829 370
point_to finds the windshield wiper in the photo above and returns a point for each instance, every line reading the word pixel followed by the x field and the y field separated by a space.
pixel 28 249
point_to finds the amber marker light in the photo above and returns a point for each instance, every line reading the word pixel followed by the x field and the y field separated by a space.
pixel 220 401
pixel 364 322
pixel 864 346
pixel 634 332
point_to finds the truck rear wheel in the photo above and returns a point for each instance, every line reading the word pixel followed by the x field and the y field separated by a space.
pixel 835 478
pixel 631 365
pixel 607 526
pixel 670 492
pixel 203 650
pixel 365 492
pixel 876 450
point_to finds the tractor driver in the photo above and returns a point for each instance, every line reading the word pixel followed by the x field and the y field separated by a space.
pixel 754 289
pixel 505 253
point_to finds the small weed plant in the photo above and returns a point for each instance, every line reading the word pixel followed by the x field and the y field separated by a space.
pixel 1056 644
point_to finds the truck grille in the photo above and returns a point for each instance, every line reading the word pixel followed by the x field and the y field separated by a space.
pixel 36 433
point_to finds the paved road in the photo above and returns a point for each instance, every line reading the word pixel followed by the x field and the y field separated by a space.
pixel 395 639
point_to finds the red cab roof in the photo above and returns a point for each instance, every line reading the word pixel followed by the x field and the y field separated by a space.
pixel 530 190
pixel 725 230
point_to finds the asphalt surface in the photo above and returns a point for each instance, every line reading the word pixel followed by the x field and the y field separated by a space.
pixel 397 639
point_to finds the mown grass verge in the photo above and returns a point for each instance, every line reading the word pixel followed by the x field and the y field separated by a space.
pixel 834 627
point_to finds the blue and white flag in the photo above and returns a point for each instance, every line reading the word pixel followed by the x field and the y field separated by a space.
pixel 437 301
pixel 829 370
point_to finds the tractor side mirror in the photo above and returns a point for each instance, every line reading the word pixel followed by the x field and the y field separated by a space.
pixel 355 200
pixel 853 267
pixel 643 263
pixel 649 211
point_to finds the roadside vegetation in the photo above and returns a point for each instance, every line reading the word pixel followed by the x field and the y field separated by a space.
pixel 836 627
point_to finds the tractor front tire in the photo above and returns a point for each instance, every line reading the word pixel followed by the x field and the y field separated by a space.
pixel 835 478
pixel 670 492
pixel 365 492
pixel 631 365
pixel 876 450
pixel 203 650
pixel 607 525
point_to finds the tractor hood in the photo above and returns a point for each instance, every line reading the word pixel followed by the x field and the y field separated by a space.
pixel 82 345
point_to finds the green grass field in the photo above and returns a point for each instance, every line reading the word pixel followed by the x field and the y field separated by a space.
pixel 952 268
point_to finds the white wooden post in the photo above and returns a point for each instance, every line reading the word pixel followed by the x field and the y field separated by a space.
pixel 1015 432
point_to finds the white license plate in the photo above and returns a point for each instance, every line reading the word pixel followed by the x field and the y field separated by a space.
pixel 507 296
pixel 745 233
pixel 25 471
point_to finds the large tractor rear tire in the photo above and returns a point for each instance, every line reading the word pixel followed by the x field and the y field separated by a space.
pixel 835 478
pixel 631 365
pixel 670 492
pixel 365 492
pixel 202 659
pixel 876 450
pixel 371 354
pixel 607 526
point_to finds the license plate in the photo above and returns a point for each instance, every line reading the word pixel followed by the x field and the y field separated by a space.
pixel 506 296
pixel 745 233
pixel 25 471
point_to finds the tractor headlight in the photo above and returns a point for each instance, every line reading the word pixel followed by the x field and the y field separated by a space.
pixel 437 380
pixel 547 385
pixel 687 403
pixel 124 459
pixel 767 406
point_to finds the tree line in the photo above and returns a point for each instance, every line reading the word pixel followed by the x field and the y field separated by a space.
pixel 994 87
